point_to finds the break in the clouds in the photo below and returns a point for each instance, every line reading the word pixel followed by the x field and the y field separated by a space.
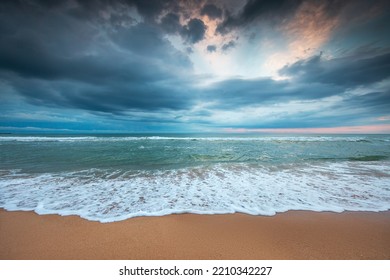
pixel 181 66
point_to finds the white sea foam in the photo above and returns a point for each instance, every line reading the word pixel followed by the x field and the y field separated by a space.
pixel 47 138
pixel 108 196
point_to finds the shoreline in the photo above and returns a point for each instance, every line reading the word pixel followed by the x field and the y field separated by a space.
pixel 289 235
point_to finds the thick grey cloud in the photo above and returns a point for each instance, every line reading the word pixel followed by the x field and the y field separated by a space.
pixel 113 60
pixel 31 58
pixel 110 97
pixel 375 103
pixel 278 12
pixel 236 93
pixel 120 98
pixel 211 11
pixel 54 59
pixel 171 23
pixel 258 10
pixel 348 71
pixel 313 79
pixel 148 43
pixel 150 9
pixel 36 53
pixel 194 31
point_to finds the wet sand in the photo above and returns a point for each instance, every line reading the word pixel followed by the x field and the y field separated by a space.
pixel 290 235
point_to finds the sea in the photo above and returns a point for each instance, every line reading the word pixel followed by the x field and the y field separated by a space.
pixel 109 178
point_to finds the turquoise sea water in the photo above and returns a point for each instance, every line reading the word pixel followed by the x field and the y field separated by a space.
pixel 114 177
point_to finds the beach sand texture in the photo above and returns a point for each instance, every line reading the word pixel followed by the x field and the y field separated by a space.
pixel 290 235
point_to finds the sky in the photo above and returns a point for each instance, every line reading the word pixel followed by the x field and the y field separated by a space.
pixel 136 66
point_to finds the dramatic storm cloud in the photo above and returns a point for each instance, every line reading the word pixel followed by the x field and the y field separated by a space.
pixel 182 66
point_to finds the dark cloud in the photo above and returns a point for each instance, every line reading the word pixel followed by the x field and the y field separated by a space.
pixel 211 48
pixel 211 11
pixel 235 93
pixel 347 71
pixel 374 103
pixel 228 46
pixel 110 97
pixel 113 60
pixel 150 9
pixel 148 42
pixel 194 31
pixel 34 53
pixel 124 97
pixel 278 12
pixel 171 23
pixel 53 59
pixel 259 10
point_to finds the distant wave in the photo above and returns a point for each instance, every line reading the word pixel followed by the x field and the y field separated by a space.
pixel 357 158
pixel 280 139
pixel 47 138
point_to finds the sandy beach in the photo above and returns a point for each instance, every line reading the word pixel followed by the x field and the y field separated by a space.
pixel 290 235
